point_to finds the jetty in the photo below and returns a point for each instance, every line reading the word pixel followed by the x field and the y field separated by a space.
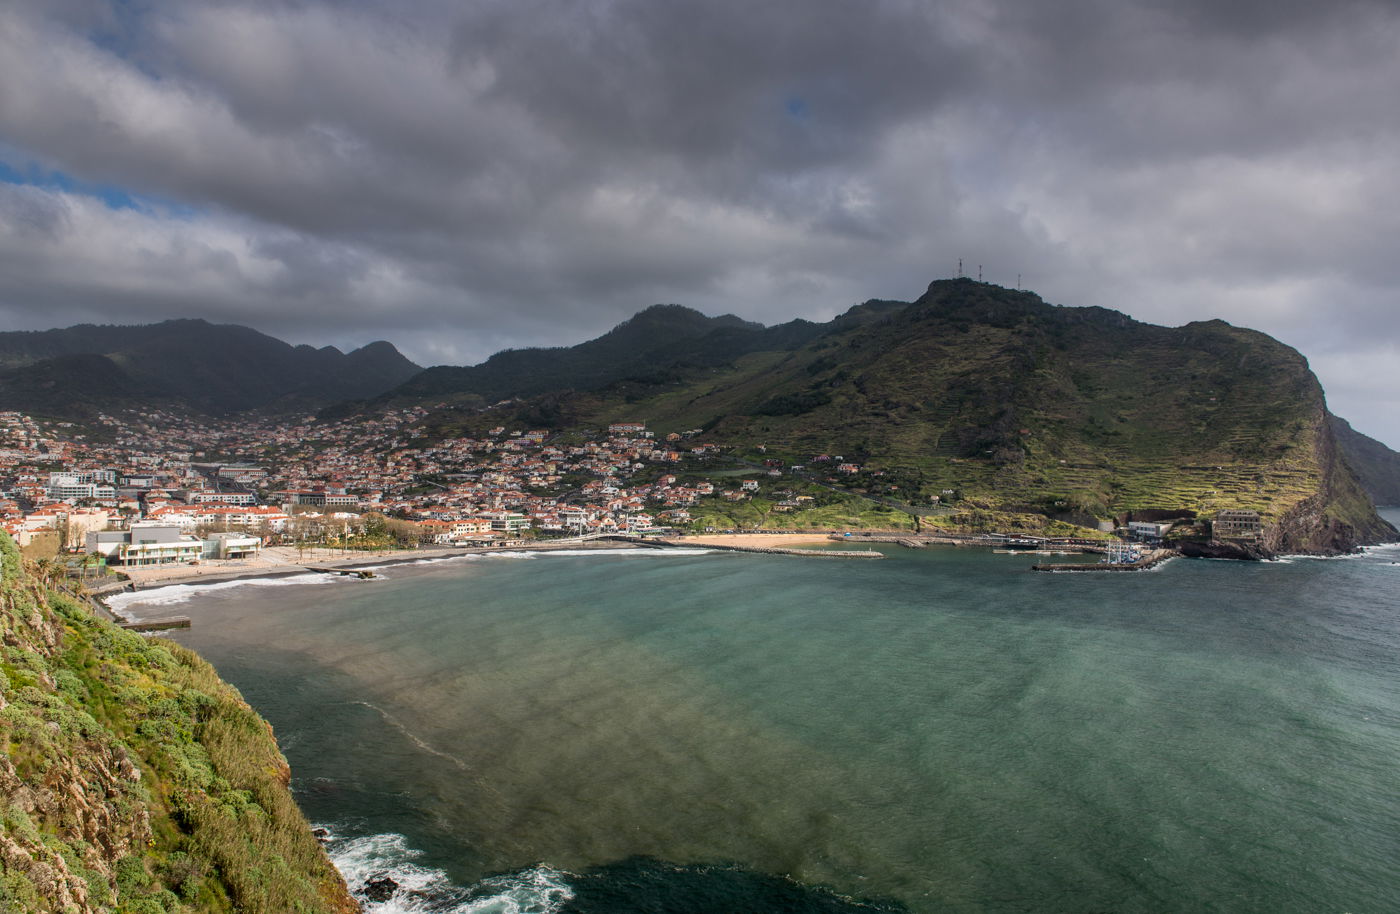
pixel 363 574
pixel 156 625
pixel 781 550
pixel 658 542
pixel 1148 560
pixel 981 540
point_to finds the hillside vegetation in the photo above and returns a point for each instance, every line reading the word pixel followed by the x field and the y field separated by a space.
pixel 1377 467
pixel 1019 407
pixel 133 780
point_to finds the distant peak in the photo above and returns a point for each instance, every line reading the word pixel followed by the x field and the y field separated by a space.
pixel 671 309
pixel 681 318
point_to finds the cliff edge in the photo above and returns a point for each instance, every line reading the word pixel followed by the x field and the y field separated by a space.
pixel 133 780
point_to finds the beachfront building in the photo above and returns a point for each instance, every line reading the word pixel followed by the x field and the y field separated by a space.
pixel 1145 530
pixel 145 544
pixel 232 546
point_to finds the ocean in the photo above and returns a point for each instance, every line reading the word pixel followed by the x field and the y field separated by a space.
pixel 940 730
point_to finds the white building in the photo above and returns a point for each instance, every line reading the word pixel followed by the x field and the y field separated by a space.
pixel 232 546
pixel 145 544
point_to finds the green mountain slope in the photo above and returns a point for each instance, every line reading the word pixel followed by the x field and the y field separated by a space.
pixel 663 342
pixel 1019 406
pixel 1377 467
pixel 72 385
pixel 133 779
pixel 214 368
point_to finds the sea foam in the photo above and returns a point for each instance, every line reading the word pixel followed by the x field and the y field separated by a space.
pixel 421 889
pixel 173 594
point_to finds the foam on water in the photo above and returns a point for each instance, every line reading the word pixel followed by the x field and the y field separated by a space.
pixel 173 594
pixel 421 889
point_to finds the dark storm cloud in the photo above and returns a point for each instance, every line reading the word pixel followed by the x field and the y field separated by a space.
pixel 462 177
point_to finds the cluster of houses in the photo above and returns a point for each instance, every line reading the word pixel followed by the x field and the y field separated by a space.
pixel 159 487
pixel 166 488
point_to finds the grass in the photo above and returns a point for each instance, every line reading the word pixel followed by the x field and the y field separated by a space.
pixel 166 792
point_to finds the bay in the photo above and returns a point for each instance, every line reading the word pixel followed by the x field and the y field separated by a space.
pixel 941 730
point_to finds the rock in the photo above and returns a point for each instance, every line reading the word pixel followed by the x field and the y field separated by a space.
pixel 321 834
pixel 1216 549
pixel 380 887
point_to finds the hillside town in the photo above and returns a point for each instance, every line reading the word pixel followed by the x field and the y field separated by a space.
pixel 161 487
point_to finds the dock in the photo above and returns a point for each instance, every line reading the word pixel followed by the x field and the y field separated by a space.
pixel 762 550
pixel 1153 558
pixel 361 573
pixel 156 625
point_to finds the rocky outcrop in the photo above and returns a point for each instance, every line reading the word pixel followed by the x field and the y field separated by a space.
pixel 133 779
pixel 1338 518
pixel 1377 467
pixel 1224 549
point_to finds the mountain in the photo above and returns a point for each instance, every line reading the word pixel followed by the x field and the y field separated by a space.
pixel 663 340
pixel 213 368
pixel 134 779
pixel 1377 467
pixel 1013 406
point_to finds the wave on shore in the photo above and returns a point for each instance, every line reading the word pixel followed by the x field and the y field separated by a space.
pixel 416 889
pixel 172 594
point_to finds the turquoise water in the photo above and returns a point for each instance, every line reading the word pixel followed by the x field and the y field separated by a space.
pixel 941 730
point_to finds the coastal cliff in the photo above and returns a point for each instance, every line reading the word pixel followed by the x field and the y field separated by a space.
pixel 988 408
pixel 134 780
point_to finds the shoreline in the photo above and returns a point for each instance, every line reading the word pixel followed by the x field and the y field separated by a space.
pixel 287 561
pixel 282 561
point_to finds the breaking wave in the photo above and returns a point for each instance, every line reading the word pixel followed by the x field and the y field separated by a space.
pixel 173 594
pixel 384 875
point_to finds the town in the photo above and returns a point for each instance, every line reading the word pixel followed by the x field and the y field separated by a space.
pixel 161 487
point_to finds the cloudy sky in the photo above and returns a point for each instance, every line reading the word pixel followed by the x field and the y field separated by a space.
pixel 459 176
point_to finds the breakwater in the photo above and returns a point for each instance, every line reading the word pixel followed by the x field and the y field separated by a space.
pixel 780 550
pixel 922 540
pixel 1155 557
pixel 762 550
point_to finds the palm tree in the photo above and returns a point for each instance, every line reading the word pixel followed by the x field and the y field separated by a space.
pixel 47 571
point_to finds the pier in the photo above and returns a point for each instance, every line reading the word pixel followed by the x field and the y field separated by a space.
pixel 658 543
pixel 1151 559
pixel 156 625
pixel 780 550
pixel 361 573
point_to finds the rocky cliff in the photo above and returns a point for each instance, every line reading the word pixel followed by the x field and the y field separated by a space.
pixel 132 779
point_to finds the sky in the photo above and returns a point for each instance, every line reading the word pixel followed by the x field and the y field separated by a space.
pixel 463 176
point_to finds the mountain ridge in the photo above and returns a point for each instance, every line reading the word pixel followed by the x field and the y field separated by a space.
pixel 1010 403
pixel 212 368
pixel 1377 467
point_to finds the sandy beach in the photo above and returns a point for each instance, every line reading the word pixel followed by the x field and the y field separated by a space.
pixel 275 560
